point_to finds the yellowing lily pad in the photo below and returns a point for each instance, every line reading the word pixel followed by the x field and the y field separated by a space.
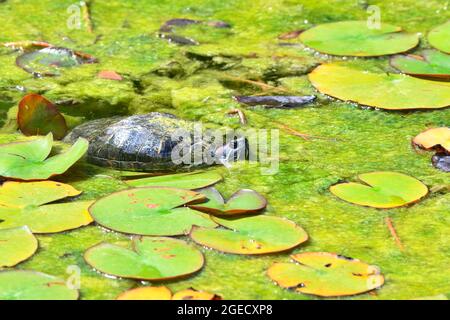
pixel 355 38
pixel 251 235
pixel 381 190
pixel 16 245
pixel 30 204
pixel 190 180
pixel 381 90
pixel 152 211
pixel 434 138
pixel 38 116
pixel 151 258
pixel 430 64
pixel 439 37
pixel 28 160
pixel 31 285
pixel 244 201
pixel 326 275
pixel 164 293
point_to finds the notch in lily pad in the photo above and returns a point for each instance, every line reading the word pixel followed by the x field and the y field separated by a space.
pixel 164 293
pixel 383 189
pixel 151 211
pixel 251 235
pixel 16 245
pixel 189 180
pixel 29 160
pixel 326 275
pixel 355 38
pixel 39 116
pixel 150 258
pixel 32 204
pixel 32 285
pixel 430 64
pixel 244 201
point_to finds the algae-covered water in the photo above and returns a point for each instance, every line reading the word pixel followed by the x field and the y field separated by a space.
pixel 194 83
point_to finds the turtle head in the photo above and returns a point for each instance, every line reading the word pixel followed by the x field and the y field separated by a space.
pixel 235 150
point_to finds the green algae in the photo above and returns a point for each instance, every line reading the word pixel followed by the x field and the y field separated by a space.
pixel 162 76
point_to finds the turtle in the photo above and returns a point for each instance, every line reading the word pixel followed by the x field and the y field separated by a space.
pixel 148 142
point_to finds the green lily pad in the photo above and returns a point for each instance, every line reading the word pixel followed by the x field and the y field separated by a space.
pixel 438 37
pixel 326 274
pixel 381 90
pixel 28 160
pixel 251 235
pixel 430 64
pixel 38 116
pixel 354 38
pixel 151 211
pixel 16 245
pixel 31 285
pixel 30 204
pixel 244 201
pixel 381 190
pixel 151 258
pixel 190 180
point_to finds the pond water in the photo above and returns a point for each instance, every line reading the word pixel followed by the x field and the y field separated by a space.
pixel 197 83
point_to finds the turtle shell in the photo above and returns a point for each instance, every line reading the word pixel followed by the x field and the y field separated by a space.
pixel 139 143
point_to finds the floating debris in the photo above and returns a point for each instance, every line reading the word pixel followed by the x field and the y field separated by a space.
pixel 281 102
pixel 441 161
pixel 183 41
pixel 109 75
pixel 290 35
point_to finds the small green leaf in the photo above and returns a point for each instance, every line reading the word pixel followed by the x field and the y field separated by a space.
pixel 326 274
pixel 355 38
pixel 16 245
pixel 244 201
pixel 29 203
pixel 430 64
pixel 27 160
pixel 251 235
pixel 438 37
pixel 151 211
pixel 190 180
pixel 31 285
pixel 151 258
pixel 381 190
pixel 38 116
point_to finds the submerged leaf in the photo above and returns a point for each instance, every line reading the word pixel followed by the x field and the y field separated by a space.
pixel 31 285
pixel 441 161
pixel 31 204
pixel 244 201
pixel 28 160
pixel 355 38
pixel 381 190
pixel 38 116
pixel 152 211
pixel 164 293
pixel 16 245
pixel 434 138
pixel 282 102
pixel 430 64
pixel 190 180
pixel 326 275
pixel 385 91
pixel 151 258
pixel 251 235
pixel 439 37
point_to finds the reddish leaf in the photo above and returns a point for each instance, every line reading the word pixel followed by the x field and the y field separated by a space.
pixel 110 75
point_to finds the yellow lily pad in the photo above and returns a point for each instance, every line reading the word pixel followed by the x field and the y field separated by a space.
pixel 16 245
pixel 439 37
pixel 434 138
pixel 164 293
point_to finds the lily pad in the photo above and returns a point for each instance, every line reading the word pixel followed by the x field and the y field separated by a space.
pixel 326 274
pixel 49 60
pixel 435 138
pixel 152 211
pixel 38 116
pixel 381 190
pixel 31 285
pixel 251 235
pixel 354 38
pixel 164 293
pixel 31 204
pixel 28 160
pixel 151 258
pixel 381 90
pixel 430 64
pixel 190 180
pixel 16 245
pixel 244 201
pixel 438 37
